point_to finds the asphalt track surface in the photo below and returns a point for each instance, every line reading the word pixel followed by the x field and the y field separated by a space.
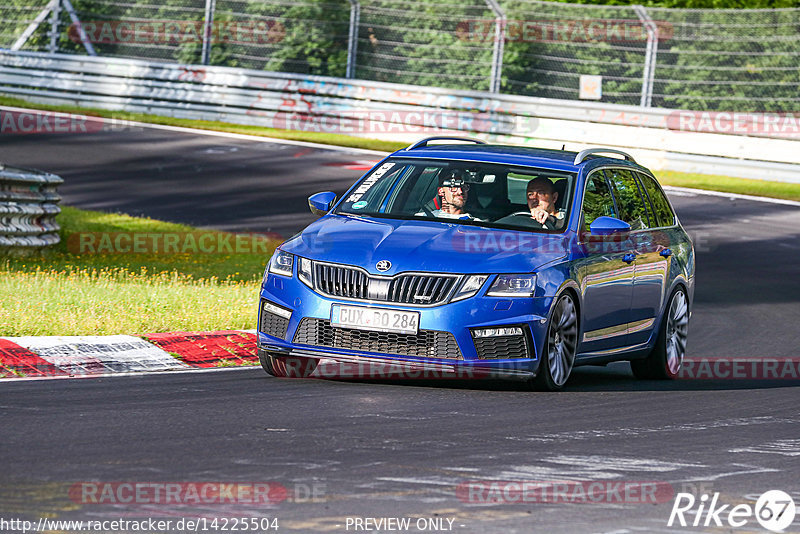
pixel 376 450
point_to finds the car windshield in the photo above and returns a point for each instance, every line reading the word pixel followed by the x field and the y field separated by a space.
pixel 483 194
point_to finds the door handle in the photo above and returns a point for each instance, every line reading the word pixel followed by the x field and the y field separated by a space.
pixel 666 253
pixel 629 258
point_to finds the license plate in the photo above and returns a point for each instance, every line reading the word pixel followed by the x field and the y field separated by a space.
pixel 376 319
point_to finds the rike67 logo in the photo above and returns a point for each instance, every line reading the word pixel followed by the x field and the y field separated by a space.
pixel 774 510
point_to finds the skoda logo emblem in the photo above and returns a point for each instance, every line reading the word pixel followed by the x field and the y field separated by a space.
pixel 383 265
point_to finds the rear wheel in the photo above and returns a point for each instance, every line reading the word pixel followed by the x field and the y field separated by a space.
pixel 286 366
pixel 560 346
pixel 665 360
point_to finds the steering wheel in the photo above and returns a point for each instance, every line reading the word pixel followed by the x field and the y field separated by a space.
pixel 520 213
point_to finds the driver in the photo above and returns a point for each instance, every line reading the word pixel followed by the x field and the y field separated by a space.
pixel 453 191
pixel 542 198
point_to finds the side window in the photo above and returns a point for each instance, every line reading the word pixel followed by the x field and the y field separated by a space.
pixel 629 199
pixel 376 194
pixel 423 191
pixel 597 201
pixel 516 187
pixel 663 212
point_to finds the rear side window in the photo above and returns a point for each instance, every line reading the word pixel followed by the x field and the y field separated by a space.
pixel 597 201
pixel 663 212
pixel 629 199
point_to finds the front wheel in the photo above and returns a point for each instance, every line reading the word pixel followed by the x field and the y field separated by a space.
pixel 558 356
pixel 665 360
pixel 286 366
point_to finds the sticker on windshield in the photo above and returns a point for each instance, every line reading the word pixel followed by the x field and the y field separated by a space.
pixel 369 182
pixel 360 204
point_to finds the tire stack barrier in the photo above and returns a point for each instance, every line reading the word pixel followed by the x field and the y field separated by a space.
pixel 28 209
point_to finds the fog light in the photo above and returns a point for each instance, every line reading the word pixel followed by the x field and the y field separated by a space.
pixel 276 310
pixel 496 332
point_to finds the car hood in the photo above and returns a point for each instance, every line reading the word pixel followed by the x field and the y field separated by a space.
pixel 431 246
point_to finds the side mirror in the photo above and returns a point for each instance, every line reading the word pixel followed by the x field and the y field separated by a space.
pixel 320 203
pixel 608 225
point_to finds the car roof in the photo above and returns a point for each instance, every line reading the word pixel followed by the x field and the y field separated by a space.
pixel 562 160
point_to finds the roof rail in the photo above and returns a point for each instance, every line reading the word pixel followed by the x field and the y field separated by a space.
pixel 424 142
pixel 583 154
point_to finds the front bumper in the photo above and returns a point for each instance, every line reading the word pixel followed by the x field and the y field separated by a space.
pixel 456 319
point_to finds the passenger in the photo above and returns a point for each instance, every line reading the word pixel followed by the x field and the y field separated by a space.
pixel 542 198
pixel 453 192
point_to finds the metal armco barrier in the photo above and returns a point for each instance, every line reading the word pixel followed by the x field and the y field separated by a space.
pixel 28 208
pixel 291 101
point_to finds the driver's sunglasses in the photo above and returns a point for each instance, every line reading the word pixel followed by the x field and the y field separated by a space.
pixel 453 188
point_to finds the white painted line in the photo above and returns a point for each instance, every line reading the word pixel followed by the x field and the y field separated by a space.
pixel 213 133
pixel 733 196
pixel 785 447
pixel 260 138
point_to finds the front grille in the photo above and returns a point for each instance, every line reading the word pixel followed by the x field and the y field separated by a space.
pixel 502 347
pixel 425 344
pixel 340 281
pixel 420 288
pixel 352 283
pixel 271 324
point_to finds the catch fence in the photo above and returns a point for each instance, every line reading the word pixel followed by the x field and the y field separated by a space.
pixel 718 60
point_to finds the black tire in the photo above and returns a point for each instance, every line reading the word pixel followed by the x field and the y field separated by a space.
pixel 286 366
pixel 665 360
pixel 560 347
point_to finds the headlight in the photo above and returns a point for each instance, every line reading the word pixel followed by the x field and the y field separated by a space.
pixel 470 286
pixel 513 285
pixel 304 271
pixel 281 263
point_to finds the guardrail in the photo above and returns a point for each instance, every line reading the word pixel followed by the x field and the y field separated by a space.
pixel 28 208
pixel 394 111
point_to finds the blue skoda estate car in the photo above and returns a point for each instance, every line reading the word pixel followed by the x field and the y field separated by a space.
pixel 471 259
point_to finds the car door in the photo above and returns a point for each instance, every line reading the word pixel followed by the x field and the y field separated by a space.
pixel 647 242
pixel 606 279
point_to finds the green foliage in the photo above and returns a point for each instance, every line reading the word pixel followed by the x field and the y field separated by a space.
pixel 306 37
pixel 424 44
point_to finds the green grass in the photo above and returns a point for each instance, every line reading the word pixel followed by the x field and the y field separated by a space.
pixel 64 293
pixel 727 184
pixel 700 181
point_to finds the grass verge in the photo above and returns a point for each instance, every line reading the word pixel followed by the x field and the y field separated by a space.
pixel 725 184
pixel 69 293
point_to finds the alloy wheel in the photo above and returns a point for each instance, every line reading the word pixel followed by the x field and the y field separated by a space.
pixel 677 332
pixel 562 339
